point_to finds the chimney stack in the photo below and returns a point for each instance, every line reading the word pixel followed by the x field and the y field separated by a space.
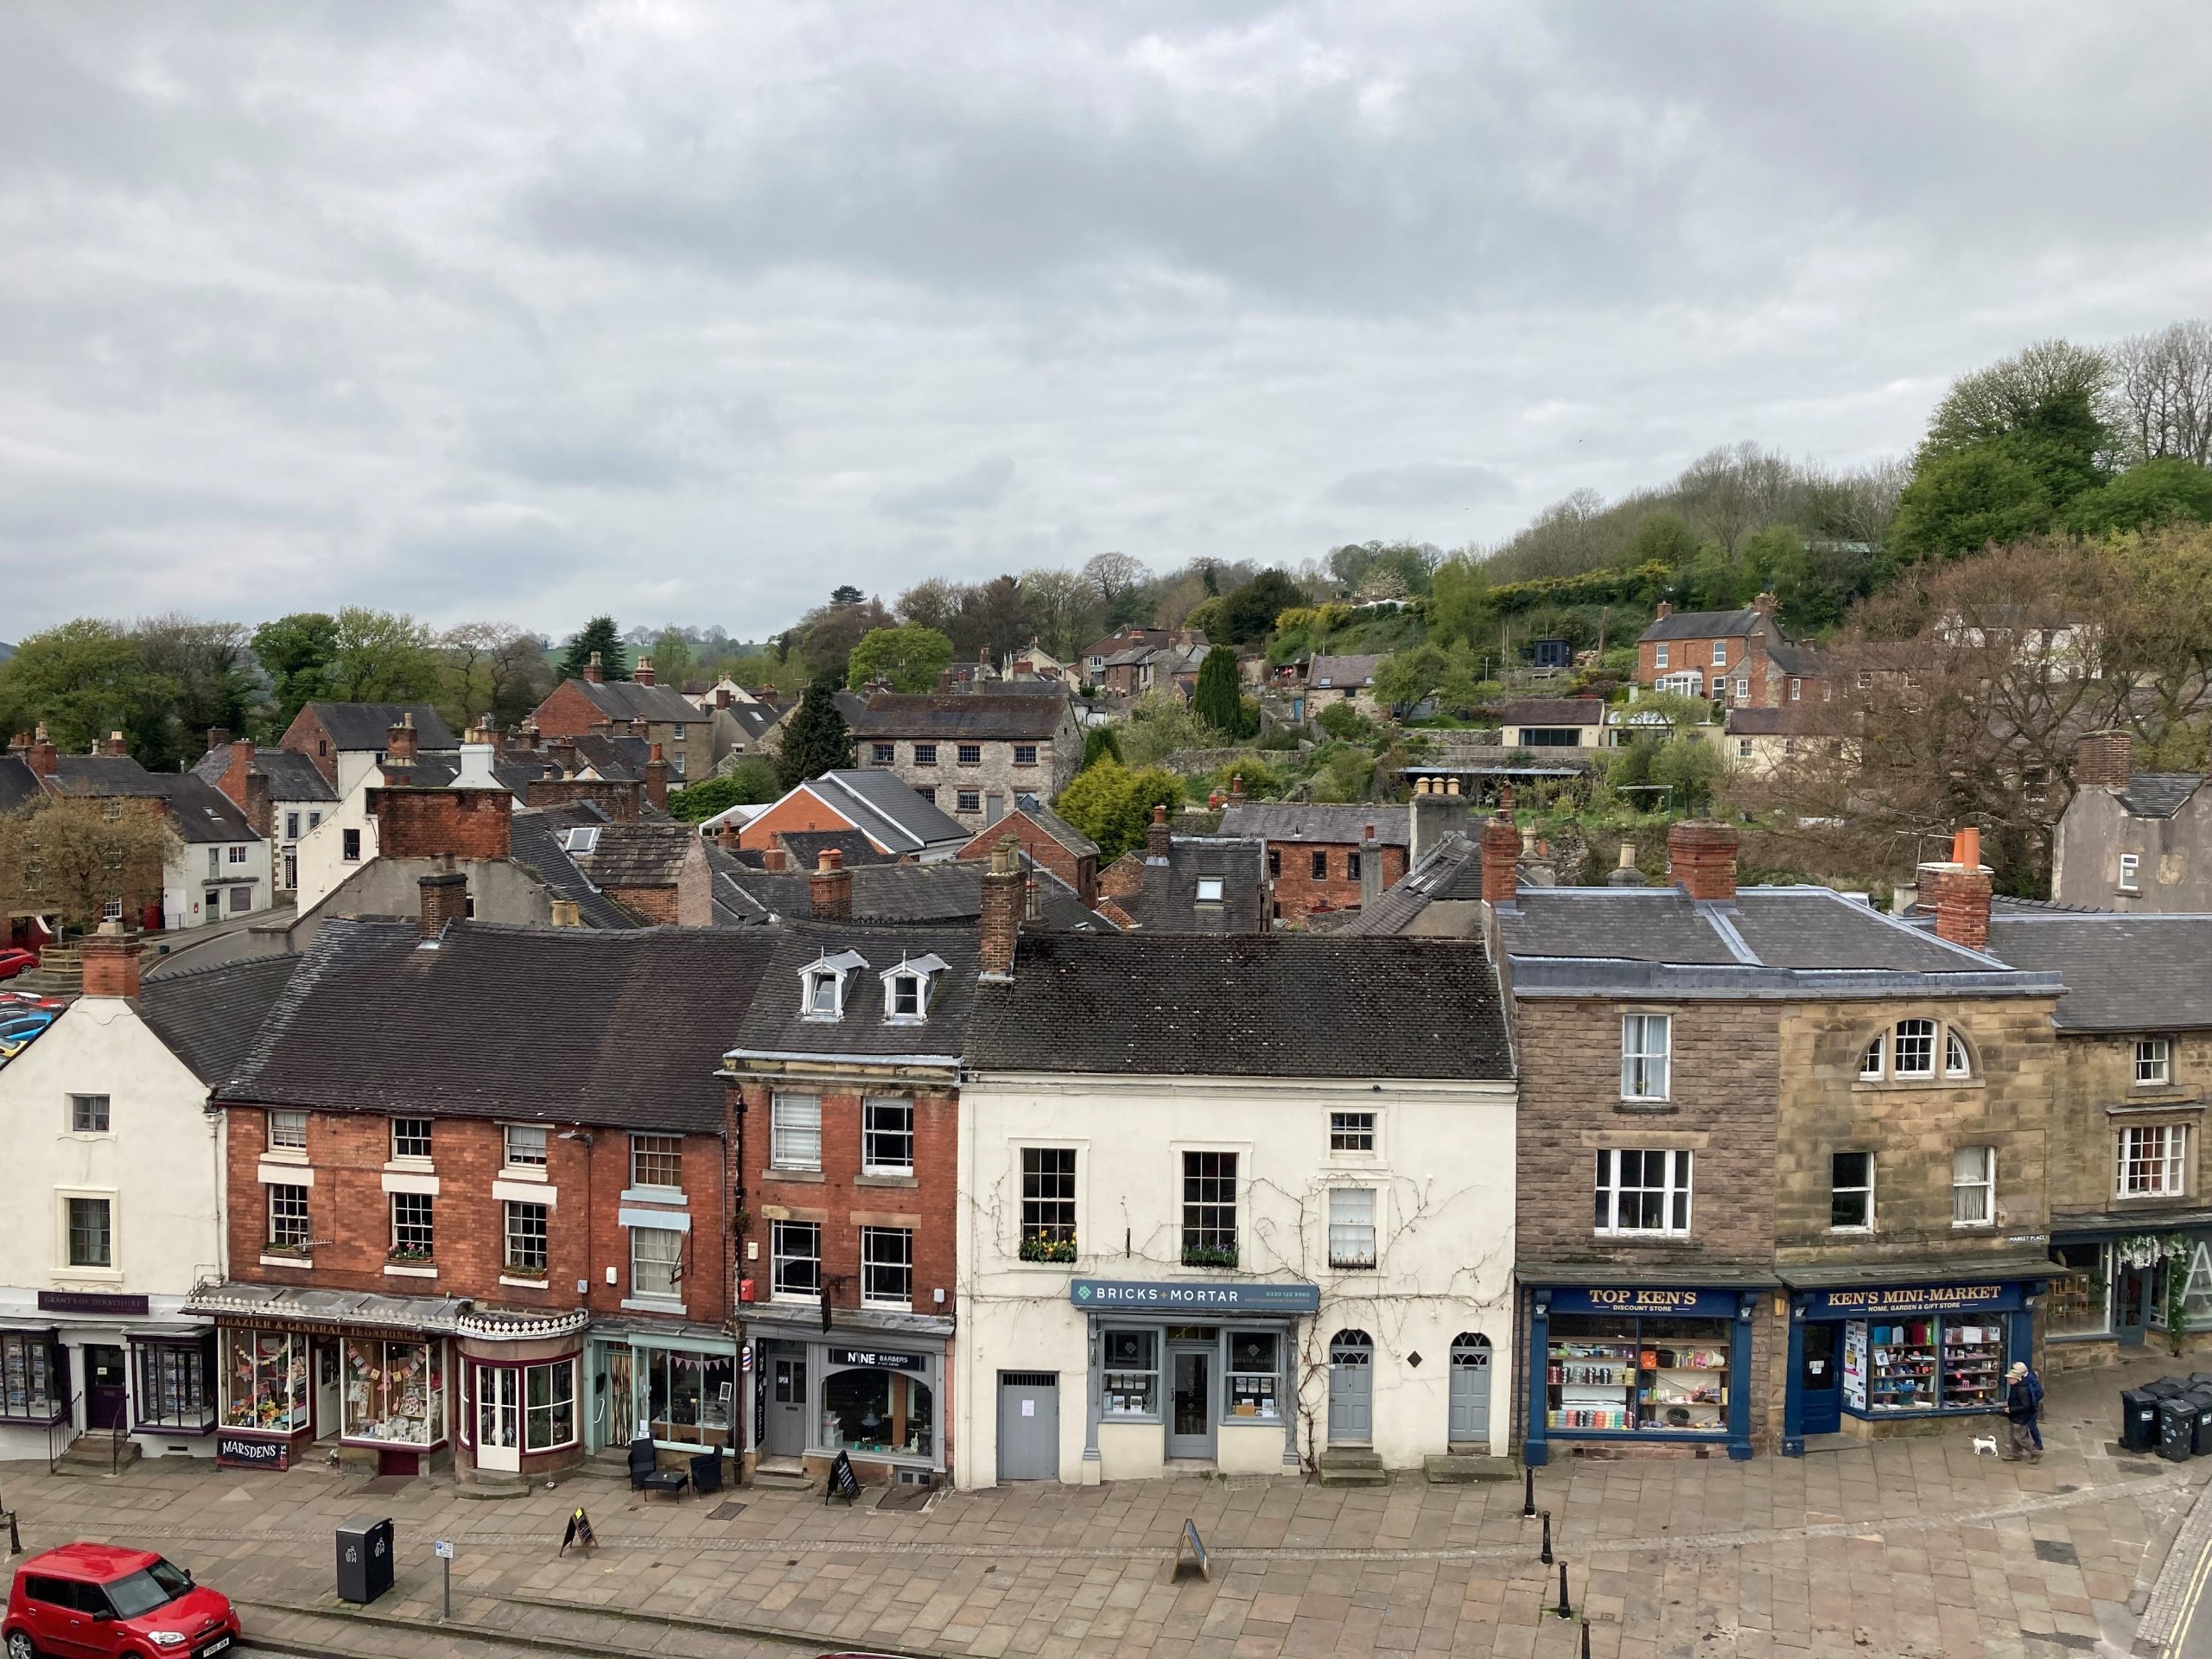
pixel 2104 760
pixel 399 740
pixel 772 857
pixel 1763 603
pixel 568 912
pixel 1625 873
pixel 1003 895
pixel 41 757
pixel 111 961
pixel 1158 838
pixel 593 670
pixel 1500 852
pixel 657 779
pixel 722 696
pixel 726 837
pixel 445 898
pixel 643 674
pixel 1236 789
pixel 115 744
pixel 219 737
pixel 1371 867
pixel 830 888
pixel 1701 858
pixel 486 733
pixel 1959 893
pixel 1665 608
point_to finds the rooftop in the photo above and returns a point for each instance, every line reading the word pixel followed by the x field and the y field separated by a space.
pixel 1334 825
pixel 365 724
pixel 2120 969
pixel 953 716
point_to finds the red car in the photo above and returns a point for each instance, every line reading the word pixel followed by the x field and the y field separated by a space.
pixel 14 962
pixel 98 1601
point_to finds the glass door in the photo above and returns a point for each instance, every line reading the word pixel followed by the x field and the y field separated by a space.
pixel 1189 1422
pixel 498 1441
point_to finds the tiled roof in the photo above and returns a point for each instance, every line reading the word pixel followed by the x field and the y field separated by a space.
pixel 1139 1003
pixel 1764 722
pixel 1555 711
pixel 1706 624
pixel 624 1029
pixel 1792 658
pixel 1168 901
pixel 209 1017
pixel 2159 794
pixel 1057 828
pixel 364 725
pixel 627 700
pixel 19 785
pixel 291 777
pixel 888 810
pixel 952 717
pixel 203 813
pixel 102 777
pixel 1338 673
pixel 775 1024
pixel 1334 825
pixel 638 855
pixel 534 844
pixel 1454 871
pixel 807 846
pixel 2132 972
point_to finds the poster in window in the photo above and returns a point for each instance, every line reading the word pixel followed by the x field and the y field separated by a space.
pixel 1854 1364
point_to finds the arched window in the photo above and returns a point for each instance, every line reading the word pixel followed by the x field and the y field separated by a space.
pixel 1870 1064
pixel 1351 1348
pixel 1957 1063
pixel 1471 1348
pixel 1913 1048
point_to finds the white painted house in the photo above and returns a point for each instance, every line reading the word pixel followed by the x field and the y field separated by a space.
pixel 113 1207
pixel 1246 1212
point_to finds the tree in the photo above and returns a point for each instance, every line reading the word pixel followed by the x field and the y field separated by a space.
pixel 84 680
pixel 932 604
pixel 1665 538
pixel 751 782
pixel 1119 582
pixel 293 652
pixel 998 618
pixel 67 857
pixel 2159 403
pixel 1112 805
pixel 1458 603
pixel 2164 490
pixel 1219 700
pixel 206 664
pixel 816 739
pixel 1960 503
pixel 831 631
pixel 1099 743
pixel 910 658
pixel 672 661
pixel 1060 612
pixel 492 668
pixel 378 657
pixel 599 635
pixel 1404 678
pixel 1249 613
pixel 2050 384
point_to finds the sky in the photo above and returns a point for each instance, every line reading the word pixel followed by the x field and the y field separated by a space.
pixel 691 312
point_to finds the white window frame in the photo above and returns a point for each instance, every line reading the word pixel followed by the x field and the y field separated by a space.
pixel 1870 1063
pixel 639 1291
pixel 427 1139
pixel 2130 865
pixel 1836 1186
pixel 1678 1176
pixel 876 1239
pixel 532 1412
pixel 1794 685
pixel 1347 1230
pixel 2160 1167
pixel 281 1138
pixel 1899 1037
pixel 427 1205
pixel 782 1237
pixel 1640 1059
pixel 1659 654
pixel 794 1131
pixel 530 1158
pixel 294 1200
pixel 900 985
pixel 1721 653
pixel 1355 1133
pixel 657 1148
pixel 1958 1058
pixel 1983 1181
pixel 2154 1062
pixel 1209 889
pixel 543 1237
pixel 870 1163
pixel 819 981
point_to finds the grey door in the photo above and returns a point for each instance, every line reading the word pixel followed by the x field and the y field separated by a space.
pixel 786 1436
pixel 1470 1389
pixel 1351 1388
pixel 1029 1424
pixel 1190 1402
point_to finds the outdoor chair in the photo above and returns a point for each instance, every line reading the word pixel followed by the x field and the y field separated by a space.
pixel 646 1477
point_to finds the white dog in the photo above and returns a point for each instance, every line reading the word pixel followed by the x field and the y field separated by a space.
pixel 1985 1445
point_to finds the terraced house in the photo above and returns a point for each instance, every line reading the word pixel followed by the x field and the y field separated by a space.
pixel 974 752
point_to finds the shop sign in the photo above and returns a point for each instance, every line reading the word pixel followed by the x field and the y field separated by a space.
pixel 1657 1299
pixel 878 1359
pixel 90 1302
pixel 240 1451
pixel 1228 1296
pixel 1911 1299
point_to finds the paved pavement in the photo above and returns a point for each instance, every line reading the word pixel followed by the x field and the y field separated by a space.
pixel 1913 1548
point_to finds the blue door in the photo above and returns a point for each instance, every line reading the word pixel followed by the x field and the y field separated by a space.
pixel 1820 1379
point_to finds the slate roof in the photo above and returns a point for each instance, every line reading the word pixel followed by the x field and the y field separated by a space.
pixel 640 854
pixel 209 1017
pixel 1168 902
pixel 807 846
pixel 774 1023
pixel 627 700
pixel 19 785
pixel 955 717
pixel 1454 870
pixel 1153 1004
pixel 202 812
pixel 1706 624
pixel 1555 711
pixel 364 725
pixel 1793 658
pixel 622 1028
pixel 2123 972
pixel 534 842
pixel 1764 722
pixel 897 894
pixel 878 803
pixel 620 759
pixel 752 719
pixel 2159 794
pixel 100 777
pixel 1338 672
pixel 291 777
pixel 1332 825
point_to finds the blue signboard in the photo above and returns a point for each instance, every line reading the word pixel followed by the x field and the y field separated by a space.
pixel 1875 1301
pixel 1190 1295
pixel 1657 1300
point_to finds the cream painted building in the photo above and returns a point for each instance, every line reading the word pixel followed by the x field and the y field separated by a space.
pixel 1251 1214
pixel 113 1207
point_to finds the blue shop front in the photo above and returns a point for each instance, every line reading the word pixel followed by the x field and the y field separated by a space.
pixel 1863 1355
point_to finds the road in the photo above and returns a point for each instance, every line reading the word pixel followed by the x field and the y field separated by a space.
pixel 2193 1635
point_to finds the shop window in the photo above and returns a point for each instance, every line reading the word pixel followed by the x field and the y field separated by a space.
pixel 888 1136
pixel 657 1160
pixel 1048 1204
pixel 1351 1132
pixel 1643 1191
pixel 1973 1187
pixel 91 1236
pixel 525 1145
pixel 287 1131
pixel 883 1412
pixel 1628 1376
pixel 1209 1209
pixel 548 1406
pixel 1255 1369
pixel 795 1132
pixel 656 1263
pixel 795 1258
pixel 394 1391
pixel 88 1114
pixel 410 1138
pixel 526 1231
pixel 175 1387
pixel 1851 1192
pixel 686 1396
pixel 2080 1303
pixel 1912 1050
pixel 1352 1227
pixel 1647 1045
pixel 2153 1161
pixel 265 1380
pixel 1950 1363
pixel 887 1267
pixel 414 1234
pixel 288 1218
pixel 2153 1061
pixel 30 1373
pixel 1130 1382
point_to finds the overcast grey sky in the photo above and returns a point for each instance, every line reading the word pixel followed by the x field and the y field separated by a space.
pixel 692 311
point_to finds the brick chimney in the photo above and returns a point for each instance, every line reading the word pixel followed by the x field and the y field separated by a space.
pixel 1002 903
pixel 399 740
pixel 115 744
pixel 1701 858
pixel 1500 852
pixel 218 737
pixel 42 756
pixel 1958 892
pixel 486 733
pixel 238 768
pixel 722 696
pixel 1665 608
pixel 593 670
pixel 2104 760
pixel 772 858
pixel 657 779
pixel 1763 603
pixel 1158 838
pixel 445 898
pixel 830 888
pixel 111 961
pixel 525 740
pixel 1236 789
pixel 643 674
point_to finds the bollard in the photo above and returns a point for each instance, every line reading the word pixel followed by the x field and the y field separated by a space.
pixel 1585 1639
pixel 1563 1610
pixel 1547 1556
pixel 15 1538
pixel 1528 1494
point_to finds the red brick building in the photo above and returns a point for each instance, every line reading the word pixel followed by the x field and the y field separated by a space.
pixel 639 707
pixel 324 731
pixel 477 1199
pixel 1323 858
pixel 1742 657
pixel 1050 839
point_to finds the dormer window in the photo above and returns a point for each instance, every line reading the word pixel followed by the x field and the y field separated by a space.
pixel 907 987
pixel 822 994
pixel 823 983
pixel 905 996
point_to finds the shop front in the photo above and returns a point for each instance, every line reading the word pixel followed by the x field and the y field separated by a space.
pixel 521 1379
pixel 1196 1373
pixel 675 1383
pixel 2117 1277
pixel 72 1361
pixel 872 1386
pixel 1866 1356
pixel 1646 1365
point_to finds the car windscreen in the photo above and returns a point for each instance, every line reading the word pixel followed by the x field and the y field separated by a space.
pixel 145 1590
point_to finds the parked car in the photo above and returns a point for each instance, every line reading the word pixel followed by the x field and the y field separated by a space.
pixel 16 1031
pixel 18 1001
pixel 106 1602
pixel 14 961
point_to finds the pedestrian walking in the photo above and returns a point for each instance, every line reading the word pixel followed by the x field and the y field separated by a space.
pixel 2020 1417
pixel 2035 1392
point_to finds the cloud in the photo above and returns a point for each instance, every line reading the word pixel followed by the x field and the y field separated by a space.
pixel 1430 484
pixel 981 487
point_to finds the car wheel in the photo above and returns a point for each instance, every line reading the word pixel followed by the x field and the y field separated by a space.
pixel 19 1645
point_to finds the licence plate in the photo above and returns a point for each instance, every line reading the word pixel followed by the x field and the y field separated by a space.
pixel 220 1644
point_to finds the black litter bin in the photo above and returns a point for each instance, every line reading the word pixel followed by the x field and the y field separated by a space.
pixel 2166 1385
pixel 2177 1427
pixel 2138 1419
pixel 364 1560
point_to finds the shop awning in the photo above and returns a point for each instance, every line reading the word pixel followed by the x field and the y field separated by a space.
pixel 2105 1223
pixel 779 1320
pixel 1541 1274
pixel 286 1305
pixel 1825 1275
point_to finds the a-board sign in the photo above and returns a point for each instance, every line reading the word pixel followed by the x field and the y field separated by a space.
pixel 579 1533
pixel 843 1483
pixel 1190 1554
pixel 245 1452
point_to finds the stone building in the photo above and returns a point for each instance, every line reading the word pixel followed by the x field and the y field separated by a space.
pixel 638 707
pixel 2132 841
pixel 973 753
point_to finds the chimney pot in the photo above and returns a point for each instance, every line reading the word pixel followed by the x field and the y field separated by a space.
pixel 594 670
pixel 1701 858
pixel 115 745
pixel 1158 838
pixel 657 778
pixel 1959 893
pixel 399 739
pixel 643 674
pixel 830 888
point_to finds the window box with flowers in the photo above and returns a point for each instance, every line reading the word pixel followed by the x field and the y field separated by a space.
pixel 1041 1248
pixel 1208 1255
pixel 409 1256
